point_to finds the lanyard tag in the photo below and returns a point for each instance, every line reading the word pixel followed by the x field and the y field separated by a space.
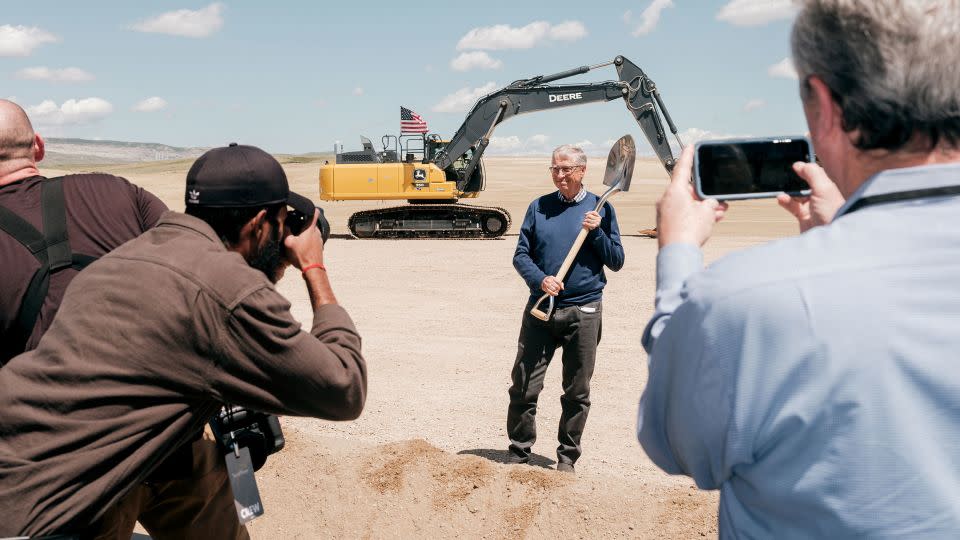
pixel 246 496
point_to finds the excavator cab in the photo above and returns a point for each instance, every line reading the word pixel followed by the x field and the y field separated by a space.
pixel 367 155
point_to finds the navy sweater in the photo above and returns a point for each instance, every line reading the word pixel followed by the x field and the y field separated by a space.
pixel 549 229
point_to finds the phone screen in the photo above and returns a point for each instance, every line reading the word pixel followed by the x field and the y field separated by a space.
pixel 746 168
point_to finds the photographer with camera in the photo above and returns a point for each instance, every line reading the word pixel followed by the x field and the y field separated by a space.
pixel 814 380
pixel 155 337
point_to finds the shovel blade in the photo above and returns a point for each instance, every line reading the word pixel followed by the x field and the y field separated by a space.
pixel 620 163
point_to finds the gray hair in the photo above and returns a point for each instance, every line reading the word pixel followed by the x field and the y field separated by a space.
pixel 579 157
pixel 893 66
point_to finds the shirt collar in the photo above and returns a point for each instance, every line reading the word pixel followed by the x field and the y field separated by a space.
pixel 891 181
pixel 197 225
pixel 576 198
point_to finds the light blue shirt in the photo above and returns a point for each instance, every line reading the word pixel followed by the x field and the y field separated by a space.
pixel 816 380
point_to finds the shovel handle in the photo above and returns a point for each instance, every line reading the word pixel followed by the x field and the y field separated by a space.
pixel 564 268
pixel 572 254
pixel 540 314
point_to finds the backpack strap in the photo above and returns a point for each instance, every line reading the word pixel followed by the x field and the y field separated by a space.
pixel 51 249
pixel 55 224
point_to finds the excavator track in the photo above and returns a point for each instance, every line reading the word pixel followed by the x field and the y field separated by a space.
pixel 431 221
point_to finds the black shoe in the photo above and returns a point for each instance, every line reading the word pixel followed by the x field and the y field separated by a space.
pixel 563 466
pixel 518 460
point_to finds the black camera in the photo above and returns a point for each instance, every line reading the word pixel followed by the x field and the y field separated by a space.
pixel 242 428
pixel 296 222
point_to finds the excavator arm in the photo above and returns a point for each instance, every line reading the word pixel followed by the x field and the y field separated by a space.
pixel 529 95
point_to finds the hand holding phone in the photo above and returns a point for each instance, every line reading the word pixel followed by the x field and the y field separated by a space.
pixel 681 216
pixel 823 203
pixel 734 169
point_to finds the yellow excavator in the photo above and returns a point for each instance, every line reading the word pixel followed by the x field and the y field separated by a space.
pixel 432 174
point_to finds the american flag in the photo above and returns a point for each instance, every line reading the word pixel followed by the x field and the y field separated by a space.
pixel 411 122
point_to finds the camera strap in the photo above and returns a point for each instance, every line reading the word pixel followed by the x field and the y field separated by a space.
pixel 898 196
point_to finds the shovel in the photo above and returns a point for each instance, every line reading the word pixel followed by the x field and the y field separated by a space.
pixel 617 176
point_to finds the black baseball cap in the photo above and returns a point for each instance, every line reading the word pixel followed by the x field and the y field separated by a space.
pixel 238 176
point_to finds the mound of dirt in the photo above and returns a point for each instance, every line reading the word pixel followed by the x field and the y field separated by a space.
pixel 323 487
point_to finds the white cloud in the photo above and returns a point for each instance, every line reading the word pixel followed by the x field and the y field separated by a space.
pixel 358 91
pixel 628 16
pixel 463 99
pixel 151 104
pixel 783 69
pixel 692 135
pixel 474 60
pixel 568 31
pixel 22 40
pixel 185 22
pixel 539 139
pixel 649 17
pixel 756 12
pixel 73 111
pixel 513 145
pixel 541 145
pixel 754 104
pixel 503 36
pixel 41 73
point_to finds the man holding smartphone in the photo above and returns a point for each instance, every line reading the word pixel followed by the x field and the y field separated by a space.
pixel 153 338
pixel 814 380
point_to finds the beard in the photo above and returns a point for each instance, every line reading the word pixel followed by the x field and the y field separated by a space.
pixel 268 259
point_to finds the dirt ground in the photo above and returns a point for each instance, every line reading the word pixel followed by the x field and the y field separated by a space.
pixel 439 320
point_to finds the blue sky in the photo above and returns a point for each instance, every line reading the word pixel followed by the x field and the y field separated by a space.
pixel 298 76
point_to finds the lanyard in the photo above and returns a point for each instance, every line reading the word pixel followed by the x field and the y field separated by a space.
pixel 898 196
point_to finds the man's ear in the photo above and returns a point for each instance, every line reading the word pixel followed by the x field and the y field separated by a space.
pixel 258 223
pixel 825 113
pixel 250 235
pixel 39 148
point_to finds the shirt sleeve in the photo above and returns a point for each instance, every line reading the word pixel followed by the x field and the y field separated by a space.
pixel 268 363
pixel 522 258
pixel 685 408
pixel 605 239
pixel 675 263
pixel 149 207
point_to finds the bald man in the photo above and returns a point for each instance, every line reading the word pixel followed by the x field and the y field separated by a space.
pixel 50 229
pixel 98 213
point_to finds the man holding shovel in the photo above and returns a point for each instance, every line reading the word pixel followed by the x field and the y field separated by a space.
pixel 550 225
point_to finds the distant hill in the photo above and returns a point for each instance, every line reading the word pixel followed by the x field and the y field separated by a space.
pixel 81 151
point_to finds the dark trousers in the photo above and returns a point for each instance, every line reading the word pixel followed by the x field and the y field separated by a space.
pixel 577 331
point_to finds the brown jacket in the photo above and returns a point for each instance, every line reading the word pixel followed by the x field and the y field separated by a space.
pixel 149 342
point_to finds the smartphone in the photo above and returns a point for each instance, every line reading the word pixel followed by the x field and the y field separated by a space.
pixel 733 169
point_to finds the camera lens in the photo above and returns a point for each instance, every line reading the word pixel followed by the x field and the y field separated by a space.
pixel 296 222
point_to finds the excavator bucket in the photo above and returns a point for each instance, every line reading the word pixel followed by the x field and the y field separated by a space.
pixel 620 164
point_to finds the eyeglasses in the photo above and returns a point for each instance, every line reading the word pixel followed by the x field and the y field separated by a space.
pixel 565 170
